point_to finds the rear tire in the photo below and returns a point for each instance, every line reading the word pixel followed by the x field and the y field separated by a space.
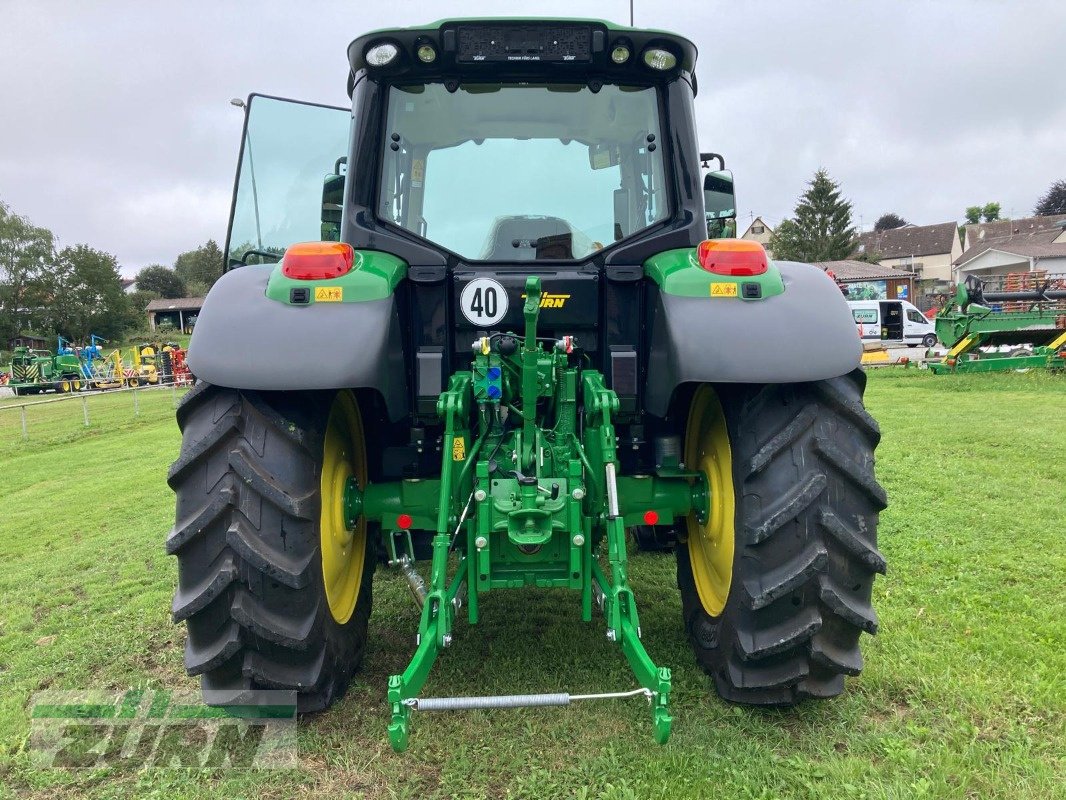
pixel 805 554
pixel 251 588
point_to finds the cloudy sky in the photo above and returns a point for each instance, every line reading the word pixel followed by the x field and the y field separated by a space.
pixel 116 128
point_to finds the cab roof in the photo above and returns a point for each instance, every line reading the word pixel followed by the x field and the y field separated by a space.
pixel 503 48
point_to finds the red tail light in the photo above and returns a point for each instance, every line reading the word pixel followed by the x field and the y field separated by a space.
pixel 737 257
pixel 315 261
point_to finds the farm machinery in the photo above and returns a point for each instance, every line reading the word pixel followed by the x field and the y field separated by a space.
pixel 154 364
pixel 100 369
pixel 36 371
pixel 535 350
pixel 1025 312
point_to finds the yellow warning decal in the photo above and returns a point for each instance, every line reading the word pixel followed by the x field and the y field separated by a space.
pixel 458 449
pixel 329 294
pixel 723 290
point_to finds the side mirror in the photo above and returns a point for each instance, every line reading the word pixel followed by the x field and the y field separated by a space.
pixel 603 156
pixel 718 198
pixel 332 200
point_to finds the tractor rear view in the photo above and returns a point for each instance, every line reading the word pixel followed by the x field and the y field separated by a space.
pixel 516 344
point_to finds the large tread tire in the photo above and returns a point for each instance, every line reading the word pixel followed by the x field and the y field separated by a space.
pixel 805 554
pixel 250 585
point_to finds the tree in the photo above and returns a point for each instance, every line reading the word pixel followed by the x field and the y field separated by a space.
pixel 87 294
pixel 887 222
pixel 162 280
pixel 1053 201
pixel 27 253
pixel 973 214
pixel 196 289
pixel 202 265
pixel 990 212
pixel 822 229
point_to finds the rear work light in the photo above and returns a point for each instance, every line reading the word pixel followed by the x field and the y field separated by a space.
pixel 316 261
pixel 732 257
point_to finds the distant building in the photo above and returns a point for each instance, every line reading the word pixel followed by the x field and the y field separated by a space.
pixel 928 251
pixel 34 341
pixel 129 285
pixel 179 312
pixel 1042 251
pixel 985 232
pixel 759 231
pixel 871 281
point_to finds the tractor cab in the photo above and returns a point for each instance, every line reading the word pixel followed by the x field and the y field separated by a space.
pixel 479 153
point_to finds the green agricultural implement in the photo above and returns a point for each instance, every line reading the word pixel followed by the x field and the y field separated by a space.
pixel 1026 312
pixel 36 371
pixel 518 346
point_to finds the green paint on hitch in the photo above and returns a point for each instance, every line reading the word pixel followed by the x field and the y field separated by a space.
pixel 678 272
pixel 374 276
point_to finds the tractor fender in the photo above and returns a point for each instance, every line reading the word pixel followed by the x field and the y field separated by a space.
pixel 807 333
pixel 245 340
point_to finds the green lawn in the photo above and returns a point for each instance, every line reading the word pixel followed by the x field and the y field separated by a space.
pixel 964 692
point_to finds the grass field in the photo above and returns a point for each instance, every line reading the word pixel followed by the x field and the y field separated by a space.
pixel 963 695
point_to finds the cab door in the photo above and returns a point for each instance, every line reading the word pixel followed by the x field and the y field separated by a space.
pixel 290 151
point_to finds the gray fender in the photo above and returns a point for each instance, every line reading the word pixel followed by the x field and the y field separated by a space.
pixel 805 334
pixel 244 340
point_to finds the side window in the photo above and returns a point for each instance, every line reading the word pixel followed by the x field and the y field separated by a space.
pixel 867 316
pixel 916 316
pixel 290 149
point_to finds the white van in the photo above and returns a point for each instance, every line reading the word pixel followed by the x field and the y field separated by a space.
pixel 892 322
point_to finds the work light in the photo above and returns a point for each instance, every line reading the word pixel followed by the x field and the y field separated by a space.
pixel 381 54
pixel 657 58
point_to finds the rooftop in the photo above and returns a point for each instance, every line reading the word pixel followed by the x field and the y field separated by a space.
pixel 1007 228
pixel 910 240
pixel 1038 244
pixel 176 304
pixel 850 270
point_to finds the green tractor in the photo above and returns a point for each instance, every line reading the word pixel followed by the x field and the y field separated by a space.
pixel 36 371
pixel 516 345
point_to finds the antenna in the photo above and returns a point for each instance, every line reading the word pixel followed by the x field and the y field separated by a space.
pixel 630 13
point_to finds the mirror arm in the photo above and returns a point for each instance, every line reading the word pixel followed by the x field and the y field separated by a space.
pixel 705 157
pixel 261 254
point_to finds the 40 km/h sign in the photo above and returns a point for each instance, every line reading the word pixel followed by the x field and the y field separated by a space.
pixel 483 302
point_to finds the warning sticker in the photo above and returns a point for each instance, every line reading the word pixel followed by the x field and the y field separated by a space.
pixel 458 449
pixel 723 290
pixel 329 294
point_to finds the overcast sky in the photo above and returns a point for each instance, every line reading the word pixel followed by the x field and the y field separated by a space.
pixel 116 128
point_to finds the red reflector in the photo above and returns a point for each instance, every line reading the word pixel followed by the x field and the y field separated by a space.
pixel 404 522
pixel 732 257
pixel 651 517
pixel 315 261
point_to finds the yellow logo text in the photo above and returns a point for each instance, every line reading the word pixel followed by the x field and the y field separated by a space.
pixel 552 300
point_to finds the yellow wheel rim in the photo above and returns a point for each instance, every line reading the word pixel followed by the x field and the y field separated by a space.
pixel 710 545
pixel 343 550
pixel 64 386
